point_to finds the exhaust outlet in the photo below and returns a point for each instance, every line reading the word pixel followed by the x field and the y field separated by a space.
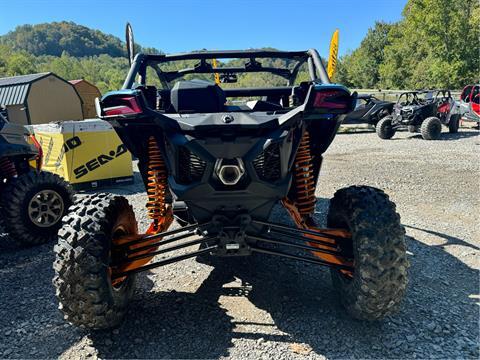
pixel 229 171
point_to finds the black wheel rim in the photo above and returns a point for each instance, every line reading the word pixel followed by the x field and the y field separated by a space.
pixel 45 208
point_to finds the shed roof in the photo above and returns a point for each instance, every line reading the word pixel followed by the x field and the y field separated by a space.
pixel 14 89
pixel 81 81
pixel 22 79
pixel 74 82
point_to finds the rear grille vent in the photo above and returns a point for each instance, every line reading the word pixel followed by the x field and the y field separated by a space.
pixel 190 166
pixel 267 164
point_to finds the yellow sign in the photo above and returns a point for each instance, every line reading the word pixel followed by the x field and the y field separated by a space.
pixel 85 152
pixel 332 57
pixel 217 77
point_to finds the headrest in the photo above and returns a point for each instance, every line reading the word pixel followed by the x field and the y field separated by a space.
pixel 197 96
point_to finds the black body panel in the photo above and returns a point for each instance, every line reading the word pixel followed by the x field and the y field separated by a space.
pixel 205 139
pixel 413 115
pixel 370 111
pixel 13 143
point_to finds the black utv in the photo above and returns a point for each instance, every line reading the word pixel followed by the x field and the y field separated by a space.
pixel 219 166
pixel 368 110
pixel 32 202
pixel 421 112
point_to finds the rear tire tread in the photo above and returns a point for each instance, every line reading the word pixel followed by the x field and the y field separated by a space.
pixel 380 276
pixel 384 128
pixel 454 124
pixel 83 287
pixel 431 128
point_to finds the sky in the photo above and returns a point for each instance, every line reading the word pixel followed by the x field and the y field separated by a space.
pixel 185 25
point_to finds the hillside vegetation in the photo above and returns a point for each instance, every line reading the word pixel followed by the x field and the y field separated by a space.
pixel 56 37
pixel 435 44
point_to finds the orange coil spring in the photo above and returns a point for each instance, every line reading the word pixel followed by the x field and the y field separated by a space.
pixel 7 169
pixel 157 183
pixel 304 177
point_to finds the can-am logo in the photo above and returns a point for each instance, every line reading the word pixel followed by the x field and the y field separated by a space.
pixel 99 161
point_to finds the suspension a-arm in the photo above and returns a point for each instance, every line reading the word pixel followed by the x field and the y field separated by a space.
pixel 301 211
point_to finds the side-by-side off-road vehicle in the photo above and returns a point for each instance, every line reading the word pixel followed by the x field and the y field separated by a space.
pixel 219 167
pixel 32 202
pixel 369 110
pixel 421 112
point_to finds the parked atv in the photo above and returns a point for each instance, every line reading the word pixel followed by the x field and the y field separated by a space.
pixel 369 110
pixel 32 202
pixel 219 169
pixel 419 111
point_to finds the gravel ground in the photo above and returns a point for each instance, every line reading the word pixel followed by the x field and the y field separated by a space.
pixel 263 307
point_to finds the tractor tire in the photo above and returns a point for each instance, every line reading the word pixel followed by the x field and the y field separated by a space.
pixel 33 205
pixel 431 128
pixel 82 278
pixel 454 124
pixel 379 278
pixel 384 128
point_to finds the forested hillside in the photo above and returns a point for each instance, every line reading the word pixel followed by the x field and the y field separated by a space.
pixel 56 37
pixel 70 50
pixel 435 44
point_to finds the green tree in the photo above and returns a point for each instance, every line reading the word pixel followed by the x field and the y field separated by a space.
pixel 20 63
pixel 434 45
pixel 363 63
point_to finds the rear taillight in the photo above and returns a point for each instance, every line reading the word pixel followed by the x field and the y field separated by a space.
pixel 123 106
pixel 331 99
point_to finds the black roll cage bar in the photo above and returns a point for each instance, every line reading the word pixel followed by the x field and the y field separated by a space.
pixel 413 95
pixel 316 68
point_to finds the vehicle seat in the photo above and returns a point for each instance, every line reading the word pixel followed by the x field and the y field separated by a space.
pixel 197 96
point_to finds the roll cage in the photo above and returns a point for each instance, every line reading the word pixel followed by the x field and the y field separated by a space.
pixel 411 98
pixel 311 57
pixel 414 97
pixel 443 95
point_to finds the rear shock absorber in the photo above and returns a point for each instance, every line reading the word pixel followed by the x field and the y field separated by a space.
pixel 302 207
pixel 7 168
pixel 158 211
pixel 157 188
pixel 304 179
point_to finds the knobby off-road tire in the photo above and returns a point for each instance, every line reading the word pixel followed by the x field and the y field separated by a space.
pixel 82 280
pixel 454 124
pixel 382 113
pixel 431 128
pixel 380 265
pixel 32 207
pixel 384 128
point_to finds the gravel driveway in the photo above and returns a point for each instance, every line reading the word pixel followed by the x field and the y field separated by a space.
pixel 263 307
